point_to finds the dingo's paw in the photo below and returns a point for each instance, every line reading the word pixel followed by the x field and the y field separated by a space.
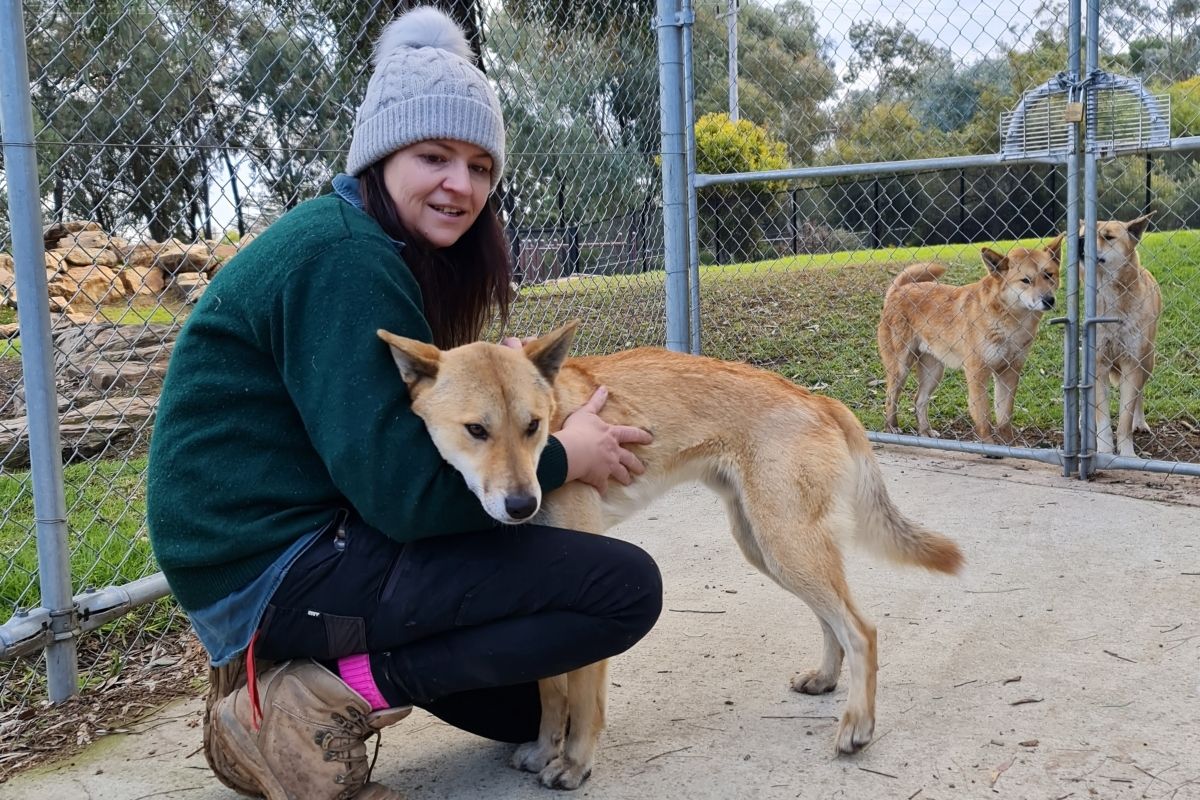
pixel 534 756
pixel 854 731
pixel 814 682
pixel 563 773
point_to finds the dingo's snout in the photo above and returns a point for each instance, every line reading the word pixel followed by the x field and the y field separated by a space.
pixel 521 506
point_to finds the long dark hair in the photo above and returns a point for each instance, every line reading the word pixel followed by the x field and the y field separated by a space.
pixel 462 285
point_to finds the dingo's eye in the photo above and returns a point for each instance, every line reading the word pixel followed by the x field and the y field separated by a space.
pixel 534 424
pixel 1026 280
pixel 477 430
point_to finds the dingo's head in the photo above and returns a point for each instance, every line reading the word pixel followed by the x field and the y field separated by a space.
pixel 1116 242
pixel 488 409
pixel 1028 275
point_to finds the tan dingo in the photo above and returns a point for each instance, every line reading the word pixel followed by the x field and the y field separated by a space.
pixel 1124 349
pixel 984 328
pixel 489 408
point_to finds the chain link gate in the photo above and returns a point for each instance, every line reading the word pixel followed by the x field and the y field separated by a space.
pixel 809 200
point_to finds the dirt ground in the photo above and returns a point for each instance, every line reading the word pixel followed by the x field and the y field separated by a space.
pixel 1063 663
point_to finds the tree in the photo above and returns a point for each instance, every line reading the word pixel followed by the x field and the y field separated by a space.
pixel 1185 108
pixel 893 57
pixel 117 88
pixel 292 85
pixel 1173 54
pixel 731 215
pixel 952 96
pixel 784 73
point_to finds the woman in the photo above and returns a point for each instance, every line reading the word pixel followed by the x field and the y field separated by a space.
pixel 299 509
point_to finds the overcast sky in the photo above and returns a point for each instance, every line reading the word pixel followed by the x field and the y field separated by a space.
pixel 970 30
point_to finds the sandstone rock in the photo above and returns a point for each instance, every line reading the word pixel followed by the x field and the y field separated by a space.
pixel 143 281
pixel 171 256
pixel 86 431
pixel 105 375
pixel 81 256
pixel 76 349
pixel 8 286
pixel 56 260
pixel 53 233
pixel 94 240
pixel 190 286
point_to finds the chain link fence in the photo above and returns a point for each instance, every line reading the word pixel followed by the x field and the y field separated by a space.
pixel 167 134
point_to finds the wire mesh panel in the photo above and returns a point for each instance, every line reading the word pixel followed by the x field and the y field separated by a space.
pixel 1148 380
pixel 169 133
pixel 579 83
pixel 796 275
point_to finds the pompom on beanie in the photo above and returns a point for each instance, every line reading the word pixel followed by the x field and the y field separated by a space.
pixel 425 86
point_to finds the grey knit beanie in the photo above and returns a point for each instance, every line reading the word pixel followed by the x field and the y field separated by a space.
pixel 425 86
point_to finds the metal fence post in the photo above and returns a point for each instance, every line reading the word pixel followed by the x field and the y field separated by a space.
pixel 1090 174
pixel 46 471
pixel 1071 331
pixel 669 22
pixel 693 230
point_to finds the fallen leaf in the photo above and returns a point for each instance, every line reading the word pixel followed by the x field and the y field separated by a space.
pixel 999 770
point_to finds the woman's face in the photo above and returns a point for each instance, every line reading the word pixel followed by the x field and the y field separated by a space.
pixel 439 187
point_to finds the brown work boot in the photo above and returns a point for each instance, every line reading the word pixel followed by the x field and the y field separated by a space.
pixel 224 681
pixel 310 744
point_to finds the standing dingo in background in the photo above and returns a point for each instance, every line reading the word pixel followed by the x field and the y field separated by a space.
pixel 1124 349
pixel 984 328
pixel 795 469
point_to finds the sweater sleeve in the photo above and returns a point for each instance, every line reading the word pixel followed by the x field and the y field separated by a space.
pixel 353 403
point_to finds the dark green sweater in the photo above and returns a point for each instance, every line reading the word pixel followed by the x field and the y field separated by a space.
pixel 281 405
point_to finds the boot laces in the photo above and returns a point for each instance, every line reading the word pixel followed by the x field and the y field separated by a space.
pixel 343 742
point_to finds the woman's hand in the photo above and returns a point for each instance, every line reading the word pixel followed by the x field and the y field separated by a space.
pixel 595 449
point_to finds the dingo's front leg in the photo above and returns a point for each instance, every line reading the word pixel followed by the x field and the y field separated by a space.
pixel 534 756
pixel 587 694
pixel 977 375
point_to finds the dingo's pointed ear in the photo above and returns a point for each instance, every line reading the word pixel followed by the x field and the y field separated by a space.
pixel 1054 248
pixel 995 262
pixel 417 361
pixel 549 352
pixel 1138 226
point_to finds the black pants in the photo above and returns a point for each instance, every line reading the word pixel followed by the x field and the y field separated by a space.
pixel 464 626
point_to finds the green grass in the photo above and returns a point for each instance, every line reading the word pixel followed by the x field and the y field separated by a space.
pixel 155 313
pixel 139 314
pixel 9 348
pixel 106 511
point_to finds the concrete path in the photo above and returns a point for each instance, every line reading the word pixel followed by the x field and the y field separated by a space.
pixel 1065 662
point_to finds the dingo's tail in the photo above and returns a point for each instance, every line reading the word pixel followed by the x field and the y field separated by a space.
pixel 882 527
pixel 879 524
pixel 917 273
